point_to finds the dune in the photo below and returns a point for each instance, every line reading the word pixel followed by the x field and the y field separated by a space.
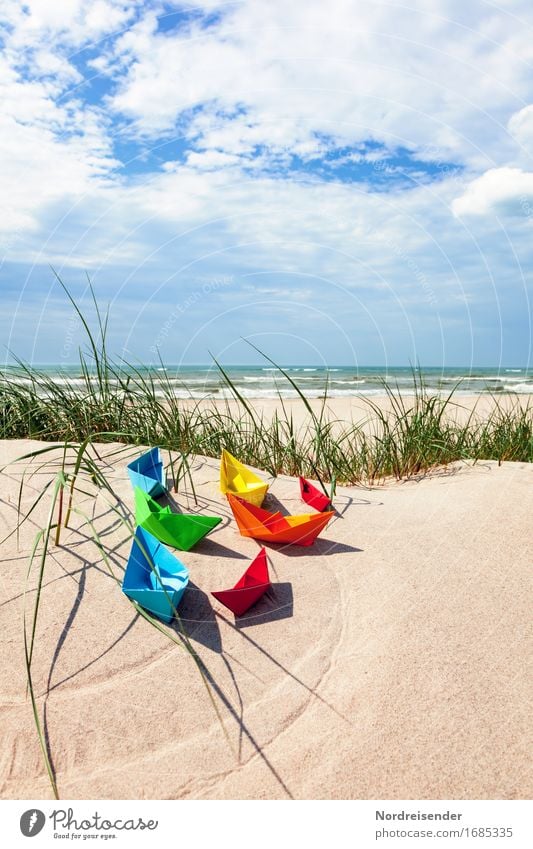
pixel 388 662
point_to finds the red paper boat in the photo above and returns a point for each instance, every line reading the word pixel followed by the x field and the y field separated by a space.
pixel 274 527
pixel 249 588
pixel 312 496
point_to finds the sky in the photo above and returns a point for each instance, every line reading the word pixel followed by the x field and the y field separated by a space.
pixel 346 182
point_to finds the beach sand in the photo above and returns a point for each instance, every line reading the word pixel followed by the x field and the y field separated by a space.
pixel 389 662
pixel 345 410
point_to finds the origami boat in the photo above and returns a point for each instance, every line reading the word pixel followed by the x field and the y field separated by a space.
pixel 312 496
pixel 147 473
pixel 237 479
pixel 181 530
pixel 154 578
pixel 274 527
pixel 249 588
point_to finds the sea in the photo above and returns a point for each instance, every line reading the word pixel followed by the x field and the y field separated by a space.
pixel 265 381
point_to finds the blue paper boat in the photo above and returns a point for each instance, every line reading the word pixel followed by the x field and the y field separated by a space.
pixel 154 578
pixel 147 473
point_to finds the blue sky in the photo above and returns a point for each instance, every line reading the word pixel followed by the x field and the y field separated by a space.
pixel 340 183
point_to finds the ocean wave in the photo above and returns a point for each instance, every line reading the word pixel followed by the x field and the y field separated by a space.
pixel 492 378
pixel 519 387
pixel 349 382
pixel 249 379
pixel 193 381
pixel 259 379
pixel 258 394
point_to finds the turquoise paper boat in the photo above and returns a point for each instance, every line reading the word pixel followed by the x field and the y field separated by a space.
pixel 147 473
pixel 154 578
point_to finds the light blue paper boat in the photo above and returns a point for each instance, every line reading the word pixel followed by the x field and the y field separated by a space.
pixel 147 473
pixel 154 578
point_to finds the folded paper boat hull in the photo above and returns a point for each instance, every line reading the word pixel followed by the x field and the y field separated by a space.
pixel 249 588
pixel 180 530
pixel 147 473
pixel 237 479
pixel 154 578
pixel 273 527
pixel 312 496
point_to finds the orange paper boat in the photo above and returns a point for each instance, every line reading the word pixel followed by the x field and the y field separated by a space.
pixel 274 527
pixel 249 588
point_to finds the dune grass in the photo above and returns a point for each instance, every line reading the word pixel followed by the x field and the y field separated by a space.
pixel 416 432
pixel 117 402
pixel 121 402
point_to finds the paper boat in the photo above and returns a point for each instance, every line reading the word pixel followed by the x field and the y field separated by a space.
pixel 154 578
pixel 181 530
pixel 274 527
pixel 236 478
pixel 147 472
pixel 312 496
pixel 249 588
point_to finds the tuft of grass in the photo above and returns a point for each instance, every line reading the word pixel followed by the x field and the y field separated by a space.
pixel 113 401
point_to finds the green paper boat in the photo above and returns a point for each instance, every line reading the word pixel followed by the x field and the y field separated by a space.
pixel 180 530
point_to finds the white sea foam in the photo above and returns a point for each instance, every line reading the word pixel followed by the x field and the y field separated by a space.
pixel 519 387
pixel 348 382
pixel 249 379
pixel 493 378
pixel 193 381
pixel 226 394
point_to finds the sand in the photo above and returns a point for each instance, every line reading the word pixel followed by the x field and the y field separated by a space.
pixel 390 661
pixel 345 410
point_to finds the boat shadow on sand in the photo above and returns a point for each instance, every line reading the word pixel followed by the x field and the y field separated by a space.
pixel 197 619
pixel 277 603
pixel 341 504
pixel 200 620
pixel 201 624
pixel 320 548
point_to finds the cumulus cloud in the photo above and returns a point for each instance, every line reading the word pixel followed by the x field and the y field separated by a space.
pixel 54 147
pixel 73 22
pixel 504 191
pixel 284 76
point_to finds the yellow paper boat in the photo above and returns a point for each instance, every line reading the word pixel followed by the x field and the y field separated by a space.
pixel 237 479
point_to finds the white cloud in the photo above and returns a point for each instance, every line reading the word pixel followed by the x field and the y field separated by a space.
pixel 54 149
pixel 72 22
pixel 505 191
pixel 521 128
pixel 278 74
pixel 59 156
